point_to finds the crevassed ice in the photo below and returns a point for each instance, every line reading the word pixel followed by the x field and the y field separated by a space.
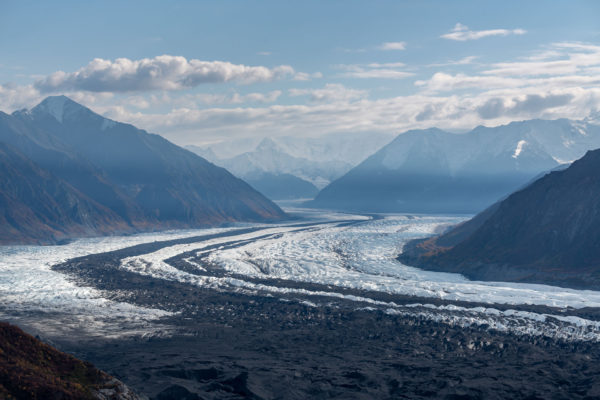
pixel 363 257
pixel 360 256
pixel 27 283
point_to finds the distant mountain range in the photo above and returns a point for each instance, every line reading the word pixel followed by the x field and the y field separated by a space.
pixel 548 232
pixel 433 171
pixel 67 171
pixel 290 167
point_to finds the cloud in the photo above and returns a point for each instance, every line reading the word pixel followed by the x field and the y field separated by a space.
pixel 13 97
pixel 560 81
pixel 375 70
pixel 563 65
pixel 562 58
pixel 386 46
pixel 463 61
pixel 330 93
pixel 528 105
pixel 304 76
pixel 269 97
pixel 357 113
pixel 264 53
pixel 386 65
pixel 159 73
pixel 444 82
pixel 462 33
pixel 392 46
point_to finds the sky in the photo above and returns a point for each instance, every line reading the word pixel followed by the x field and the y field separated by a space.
pixel 200 72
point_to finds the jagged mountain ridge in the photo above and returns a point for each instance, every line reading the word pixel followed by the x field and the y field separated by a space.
pixel 317 161
pixel 548 232
pixel 436 171
pixel 144 180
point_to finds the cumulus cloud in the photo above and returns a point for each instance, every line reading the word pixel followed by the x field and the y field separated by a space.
pixel 159 73
pixel 332 92
pixel 13 97
pixel 528 105
pixel 392 46
pixel 462 33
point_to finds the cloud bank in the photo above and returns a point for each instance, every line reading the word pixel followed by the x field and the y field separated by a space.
pixel 559 80
pixel 159 73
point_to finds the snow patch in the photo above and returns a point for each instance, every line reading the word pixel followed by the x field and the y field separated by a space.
pixel 519 148
pixel 55 106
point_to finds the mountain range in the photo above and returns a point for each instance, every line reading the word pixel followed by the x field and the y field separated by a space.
pixel 292 167
pixel 67 171
pixel 434 171
pixel 547 232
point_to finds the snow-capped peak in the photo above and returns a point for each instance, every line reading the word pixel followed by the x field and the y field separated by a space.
pixel 267 144
pixel 54 105
pixel 58 107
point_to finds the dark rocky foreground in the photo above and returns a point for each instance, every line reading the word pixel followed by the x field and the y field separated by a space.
pixel 263 348
pixel 232 344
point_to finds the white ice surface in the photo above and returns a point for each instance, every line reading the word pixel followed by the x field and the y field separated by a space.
pixel 359 256
pixel 29 287
pixel 362 256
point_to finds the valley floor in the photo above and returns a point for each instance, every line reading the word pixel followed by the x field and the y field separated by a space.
pixel 314 308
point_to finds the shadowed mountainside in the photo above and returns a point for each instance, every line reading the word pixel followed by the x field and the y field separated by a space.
pixel 36 204
pixel 109 177
pixel 548 232
pixel 433 171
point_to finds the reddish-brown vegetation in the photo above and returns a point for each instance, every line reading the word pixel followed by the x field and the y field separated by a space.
pixel 34 370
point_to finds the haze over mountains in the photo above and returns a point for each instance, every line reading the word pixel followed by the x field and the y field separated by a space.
pixel 293 167
pixel 436 171
pixel 548 232
pixel 70 172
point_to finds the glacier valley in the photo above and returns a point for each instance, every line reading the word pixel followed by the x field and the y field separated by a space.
pixel 318 260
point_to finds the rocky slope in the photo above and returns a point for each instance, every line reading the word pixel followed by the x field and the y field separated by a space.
pixel 128 179
pixel 30 369
pixel 548 232
pixel 39 206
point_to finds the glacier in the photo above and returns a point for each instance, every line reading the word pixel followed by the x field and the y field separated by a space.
pixel 333 252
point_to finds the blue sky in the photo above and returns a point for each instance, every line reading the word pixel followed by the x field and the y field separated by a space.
pixel 201 72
